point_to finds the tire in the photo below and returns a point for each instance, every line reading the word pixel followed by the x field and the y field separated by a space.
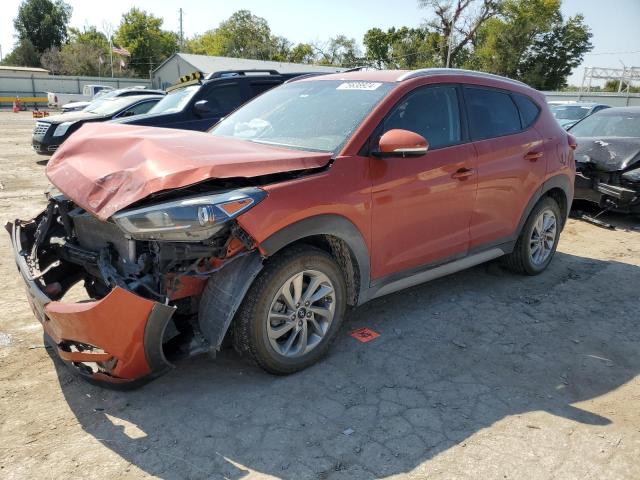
pixel 257 321
pixel 526 258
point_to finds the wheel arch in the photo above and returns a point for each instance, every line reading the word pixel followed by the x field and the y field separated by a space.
pixel 338 236
pixel 558 187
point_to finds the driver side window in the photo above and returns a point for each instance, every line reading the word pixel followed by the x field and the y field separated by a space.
pixel 432 112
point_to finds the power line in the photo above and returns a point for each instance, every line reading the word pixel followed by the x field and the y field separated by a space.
pixel 612 53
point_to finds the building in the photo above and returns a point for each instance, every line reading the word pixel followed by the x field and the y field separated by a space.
pixel 10 71
pixel 179 64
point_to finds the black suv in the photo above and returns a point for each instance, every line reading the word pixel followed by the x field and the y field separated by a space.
pixel 199 101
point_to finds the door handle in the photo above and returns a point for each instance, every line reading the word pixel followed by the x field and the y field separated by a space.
pixel 533 156
pixel 463 173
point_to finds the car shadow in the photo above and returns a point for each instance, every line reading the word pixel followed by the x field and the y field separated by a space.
pixel 620 221
pixel 454 356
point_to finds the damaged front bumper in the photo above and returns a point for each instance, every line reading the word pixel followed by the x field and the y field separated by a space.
pixel 115 340
pixel 624 198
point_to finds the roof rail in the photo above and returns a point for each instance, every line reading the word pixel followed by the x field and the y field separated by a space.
pixel 359 69
pixel 240 73
pixel 306 75
pixel 426 72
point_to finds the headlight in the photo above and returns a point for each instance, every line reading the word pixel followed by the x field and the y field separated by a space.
pixel 632 175
pixel 189 220
pixel 62 129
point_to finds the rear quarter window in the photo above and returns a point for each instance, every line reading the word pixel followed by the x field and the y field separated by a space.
pixel 529 111
pixel 492 113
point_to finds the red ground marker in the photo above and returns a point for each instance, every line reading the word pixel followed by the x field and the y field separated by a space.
pixel 364 335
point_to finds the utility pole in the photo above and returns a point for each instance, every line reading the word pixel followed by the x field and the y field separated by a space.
pixel 449 41
pixel 181 32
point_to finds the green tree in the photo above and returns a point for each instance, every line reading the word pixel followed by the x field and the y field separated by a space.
pixel 243 35
pixel 24 54
pixel 503 41
pixel 456 24
pixel 554 54
pixel 142 35
pixel 340 51
pixel 43 23
pixel 377 46
pixel 302 53
pixel 81 55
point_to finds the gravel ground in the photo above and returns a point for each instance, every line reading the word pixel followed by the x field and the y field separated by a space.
pixel 480 375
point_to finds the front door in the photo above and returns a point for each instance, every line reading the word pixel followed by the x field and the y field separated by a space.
pixel 422 205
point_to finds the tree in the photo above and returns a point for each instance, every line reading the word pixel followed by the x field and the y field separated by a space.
pixel 402 48
pixel 43 23
pixel 457 24
pixel 24 54
pixel 142 35
pixel 503 41
pixel 554 54
pixel 339 51
pixel 243 35
pixel 302 53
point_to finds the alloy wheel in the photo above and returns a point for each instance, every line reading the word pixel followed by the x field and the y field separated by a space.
pixel 301 313
pixel 543 237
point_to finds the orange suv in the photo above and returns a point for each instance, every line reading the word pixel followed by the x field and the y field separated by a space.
pixel 318 195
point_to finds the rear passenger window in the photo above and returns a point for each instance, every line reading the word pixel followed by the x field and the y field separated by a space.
pixel 491 113
pixel 260 87
pixel 528 109
pixel 432 112
pixel 224 98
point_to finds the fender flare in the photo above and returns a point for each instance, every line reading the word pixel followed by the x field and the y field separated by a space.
pixel 560 181
pixel 325 224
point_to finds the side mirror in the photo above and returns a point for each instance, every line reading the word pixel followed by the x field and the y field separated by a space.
pixel 401 143
pixel 202 107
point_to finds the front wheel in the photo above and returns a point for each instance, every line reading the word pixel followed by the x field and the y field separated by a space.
pixel 292 311
pixel 538 240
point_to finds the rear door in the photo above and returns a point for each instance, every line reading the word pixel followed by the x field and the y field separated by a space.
pixel 511 162
pixel 422 205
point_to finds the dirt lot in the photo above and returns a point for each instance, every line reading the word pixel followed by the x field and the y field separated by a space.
pixel 479 375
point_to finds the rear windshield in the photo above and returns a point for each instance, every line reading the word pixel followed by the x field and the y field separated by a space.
pixel 315 115
pixel 109 105
pixel 571 112
pixel 175 101
pixel 608 125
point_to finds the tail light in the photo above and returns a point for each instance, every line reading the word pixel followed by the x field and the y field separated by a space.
pixel 573 144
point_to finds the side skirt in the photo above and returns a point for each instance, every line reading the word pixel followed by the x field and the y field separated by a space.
pixel 384 288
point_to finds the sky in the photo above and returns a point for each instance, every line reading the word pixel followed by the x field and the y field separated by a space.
pixel 614 23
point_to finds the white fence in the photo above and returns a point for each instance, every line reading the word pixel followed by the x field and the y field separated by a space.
pixel 38 85
pixel 612 99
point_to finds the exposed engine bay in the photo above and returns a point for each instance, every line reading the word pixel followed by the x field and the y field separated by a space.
pixel 70 246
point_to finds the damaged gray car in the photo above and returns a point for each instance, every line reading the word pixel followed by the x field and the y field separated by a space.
pixel 608 159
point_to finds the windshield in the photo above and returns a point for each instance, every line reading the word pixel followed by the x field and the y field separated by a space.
pixel 623 124
pixel 175 101
pixel 310 115
pixel 569 112
pixel 109 105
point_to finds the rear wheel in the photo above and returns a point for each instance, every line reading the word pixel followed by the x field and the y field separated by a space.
pixel 292 312
pixel 538 240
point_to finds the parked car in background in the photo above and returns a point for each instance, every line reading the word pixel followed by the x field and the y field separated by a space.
pixel 199 101
pixel 322 193
pixel 57 100
pixel 50 132
pixel 608 159
pixel 122 92
pixel 568 113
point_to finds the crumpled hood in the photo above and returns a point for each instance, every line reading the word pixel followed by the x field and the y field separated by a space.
pixel 104 168
pixel 608 154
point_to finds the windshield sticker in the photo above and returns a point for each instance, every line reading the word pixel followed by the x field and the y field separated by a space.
pixel 358 86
